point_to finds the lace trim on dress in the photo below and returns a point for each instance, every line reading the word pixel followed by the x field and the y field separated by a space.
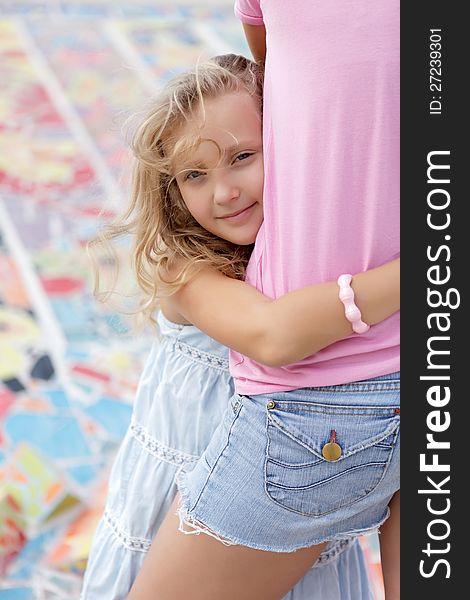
pixel 205 358
pixel 159 450
pixel 332 551
pixel 130 542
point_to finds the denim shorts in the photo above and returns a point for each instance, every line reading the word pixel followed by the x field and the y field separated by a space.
pixel 263 481
pixel 181 399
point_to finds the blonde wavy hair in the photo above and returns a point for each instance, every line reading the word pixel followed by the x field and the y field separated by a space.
pixel 164 232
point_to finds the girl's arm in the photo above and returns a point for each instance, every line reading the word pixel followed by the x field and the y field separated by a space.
pixel 296 325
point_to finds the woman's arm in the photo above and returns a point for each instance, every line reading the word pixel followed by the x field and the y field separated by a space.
pixel 286 330
pixel 256 38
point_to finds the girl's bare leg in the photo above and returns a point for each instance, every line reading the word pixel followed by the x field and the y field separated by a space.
pixel 390 550
pixel 180 566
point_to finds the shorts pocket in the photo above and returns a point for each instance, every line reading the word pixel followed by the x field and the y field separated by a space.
pixel 299 478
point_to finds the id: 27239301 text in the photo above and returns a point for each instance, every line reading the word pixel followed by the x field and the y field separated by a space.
pixel 435 71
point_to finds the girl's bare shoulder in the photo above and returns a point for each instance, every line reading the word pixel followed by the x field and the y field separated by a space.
pixel 169 312
pixel 178 271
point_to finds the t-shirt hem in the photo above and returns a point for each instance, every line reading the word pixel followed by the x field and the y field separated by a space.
pixel 248 19
pixel 253 388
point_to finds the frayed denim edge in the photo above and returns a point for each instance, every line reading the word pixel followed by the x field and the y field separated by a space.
pixel 366 531
pixel 189 525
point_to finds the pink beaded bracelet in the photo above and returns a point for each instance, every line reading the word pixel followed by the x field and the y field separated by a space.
pixel 351 311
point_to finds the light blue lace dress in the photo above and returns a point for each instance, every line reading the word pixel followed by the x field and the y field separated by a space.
pixel 182 395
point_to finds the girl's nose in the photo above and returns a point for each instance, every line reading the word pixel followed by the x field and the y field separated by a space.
pixel 225 190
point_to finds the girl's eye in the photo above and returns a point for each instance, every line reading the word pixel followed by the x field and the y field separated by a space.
pixel 193 175
pixel 243 156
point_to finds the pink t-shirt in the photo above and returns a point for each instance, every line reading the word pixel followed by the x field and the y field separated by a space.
pixel 331 148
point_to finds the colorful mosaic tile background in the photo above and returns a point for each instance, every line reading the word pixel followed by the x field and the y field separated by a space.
pixel 71 73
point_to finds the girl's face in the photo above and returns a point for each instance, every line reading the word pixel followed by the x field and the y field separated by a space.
pixel 222 182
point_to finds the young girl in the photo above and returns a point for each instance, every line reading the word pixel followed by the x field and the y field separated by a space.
pixel 196 209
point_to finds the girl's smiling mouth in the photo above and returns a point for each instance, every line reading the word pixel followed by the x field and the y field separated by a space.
pixel 238 215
